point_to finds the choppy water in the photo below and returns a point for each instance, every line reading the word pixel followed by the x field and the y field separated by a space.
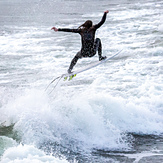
pixel 112 113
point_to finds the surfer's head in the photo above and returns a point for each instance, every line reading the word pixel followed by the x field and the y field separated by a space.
pixel 87 24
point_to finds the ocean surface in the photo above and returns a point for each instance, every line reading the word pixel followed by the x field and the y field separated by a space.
pixel 112 113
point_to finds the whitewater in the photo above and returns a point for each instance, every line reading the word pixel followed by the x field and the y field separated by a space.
pixel 110 113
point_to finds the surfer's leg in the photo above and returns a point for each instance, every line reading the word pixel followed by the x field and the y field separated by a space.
pixel 74 61
pixel 98 47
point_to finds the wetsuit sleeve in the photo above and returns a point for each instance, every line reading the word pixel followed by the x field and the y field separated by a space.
pixel 101 22
pixel 69 30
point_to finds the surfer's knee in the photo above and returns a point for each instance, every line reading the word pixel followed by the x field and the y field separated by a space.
pixel 98 41
pixel 78 55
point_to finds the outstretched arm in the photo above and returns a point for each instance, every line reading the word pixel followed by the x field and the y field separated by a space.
pixel 102 20
pixel 66 30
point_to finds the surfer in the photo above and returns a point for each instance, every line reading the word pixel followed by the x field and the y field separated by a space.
pixel 90 45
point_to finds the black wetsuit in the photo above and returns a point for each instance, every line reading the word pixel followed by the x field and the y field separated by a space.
pixel 89 44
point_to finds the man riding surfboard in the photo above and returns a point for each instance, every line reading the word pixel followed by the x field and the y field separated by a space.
pixel 90 45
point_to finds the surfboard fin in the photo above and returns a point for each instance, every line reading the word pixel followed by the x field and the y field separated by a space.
pixel 72 76
pixel 65 78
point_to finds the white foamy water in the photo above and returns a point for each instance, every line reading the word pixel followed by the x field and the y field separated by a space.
pixel 113 112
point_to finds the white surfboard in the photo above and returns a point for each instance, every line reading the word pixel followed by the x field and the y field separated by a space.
pixel 90 66
pixel 69 76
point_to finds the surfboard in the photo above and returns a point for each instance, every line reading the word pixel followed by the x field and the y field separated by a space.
pixel 70 76
pixel 90 66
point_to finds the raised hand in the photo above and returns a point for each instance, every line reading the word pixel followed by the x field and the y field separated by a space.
pixel 106 11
